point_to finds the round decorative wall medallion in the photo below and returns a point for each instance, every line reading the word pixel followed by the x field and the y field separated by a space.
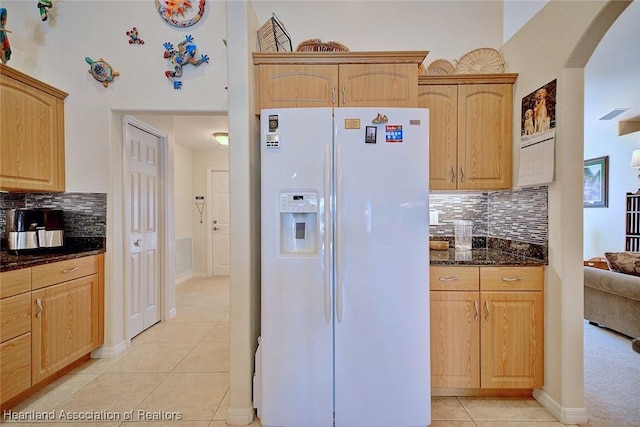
pixel 180 13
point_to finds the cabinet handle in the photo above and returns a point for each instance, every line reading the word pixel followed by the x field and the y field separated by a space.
pixel 453 174
pixel 333 94
pixel 476 305
pixel 448 279
pixel 486 306
pixel 344 95
pixel 39 304
pixel 461 173
pixel 511 279
pixel 70 270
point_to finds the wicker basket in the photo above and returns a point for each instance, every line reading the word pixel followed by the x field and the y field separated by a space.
pixel 317 45
pixel 273 37
pixel 481 61
pixel 440 66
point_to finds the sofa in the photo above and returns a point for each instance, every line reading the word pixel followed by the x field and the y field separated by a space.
pixel 612 298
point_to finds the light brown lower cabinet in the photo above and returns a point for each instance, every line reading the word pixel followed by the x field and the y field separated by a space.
pixel 52 315
pixel 62 327
pixel 487 327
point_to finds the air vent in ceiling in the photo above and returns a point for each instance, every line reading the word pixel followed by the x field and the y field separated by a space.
pixel 613 114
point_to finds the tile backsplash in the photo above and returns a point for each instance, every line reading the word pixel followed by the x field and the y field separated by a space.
pixel 518 215
pixel 85 214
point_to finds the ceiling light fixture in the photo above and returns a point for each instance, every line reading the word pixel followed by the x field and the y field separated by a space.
pixel 222 138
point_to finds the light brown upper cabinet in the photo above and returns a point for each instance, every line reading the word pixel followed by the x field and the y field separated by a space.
pixel 336 79
pixel 31 134
pixel 470 120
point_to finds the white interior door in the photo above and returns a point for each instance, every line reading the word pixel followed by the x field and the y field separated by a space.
pixel 143 156
pixel 219 223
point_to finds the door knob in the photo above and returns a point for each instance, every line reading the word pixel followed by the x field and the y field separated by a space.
pixel 137 242
pixel 215 229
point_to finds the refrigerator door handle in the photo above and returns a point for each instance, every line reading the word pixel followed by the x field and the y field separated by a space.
pixel 327 234
pixel 338 241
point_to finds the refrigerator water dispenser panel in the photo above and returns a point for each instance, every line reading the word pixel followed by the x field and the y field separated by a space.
pixel 298 223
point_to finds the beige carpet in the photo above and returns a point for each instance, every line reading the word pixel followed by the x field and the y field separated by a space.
pixel 611 379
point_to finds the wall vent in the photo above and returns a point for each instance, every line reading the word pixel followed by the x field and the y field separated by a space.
pixel 613 114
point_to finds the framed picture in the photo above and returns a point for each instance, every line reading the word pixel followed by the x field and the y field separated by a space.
pixel 371 134
pixel 596 182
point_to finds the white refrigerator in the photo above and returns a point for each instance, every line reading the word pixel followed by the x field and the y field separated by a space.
pixel 344 267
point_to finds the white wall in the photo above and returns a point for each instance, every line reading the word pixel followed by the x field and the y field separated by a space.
pixel 184 202
pixel 569 31
pixel 517 13
pixel 607 78
pixel 448 29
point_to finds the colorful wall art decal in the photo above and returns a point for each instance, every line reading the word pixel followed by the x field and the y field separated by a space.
pixel 101 71
pixel 184 55
pixel 134 37
pixel 43 5
pixel 5 47
pixel 180 13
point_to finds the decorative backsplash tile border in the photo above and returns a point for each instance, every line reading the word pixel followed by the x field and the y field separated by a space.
pixel 85 214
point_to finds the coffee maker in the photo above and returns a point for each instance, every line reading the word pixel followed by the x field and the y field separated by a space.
pixel 30 229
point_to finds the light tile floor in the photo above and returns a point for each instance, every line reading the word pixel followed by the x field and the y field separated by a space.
pixel 180 368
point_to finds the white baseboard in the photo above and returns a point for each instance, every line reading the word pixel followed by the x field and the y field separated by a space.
pixel 109 352
pixel 240 416
pixel 173 313
pixel 564 415
pixel 183 277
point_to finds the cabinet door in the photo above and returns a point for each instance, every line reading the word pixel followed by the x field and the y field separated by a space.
pixel 378 85
pixel 484 136
pixel 31 138
pixel 512 340
pixel 297 86
pixel 64 324
pixel 442 102
pixel 15 366
pixel 455 339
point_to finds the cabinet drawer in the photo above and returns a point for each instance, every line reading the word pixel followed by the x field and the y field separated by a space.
pixel 15 316
pixel 57 272
pixel 15 366
pixel 512 278
pixel 444 278
pixel 15 282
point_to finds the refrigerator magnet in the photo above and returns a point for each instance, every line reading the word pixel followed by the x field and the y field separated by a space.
pixel 273 123
pixel 370 135
pixel 352 123
pixel 393 134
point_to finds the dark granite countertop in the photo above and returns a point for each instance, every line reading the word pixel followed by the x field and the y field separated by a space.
pixel 73 248
pixel 480 257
